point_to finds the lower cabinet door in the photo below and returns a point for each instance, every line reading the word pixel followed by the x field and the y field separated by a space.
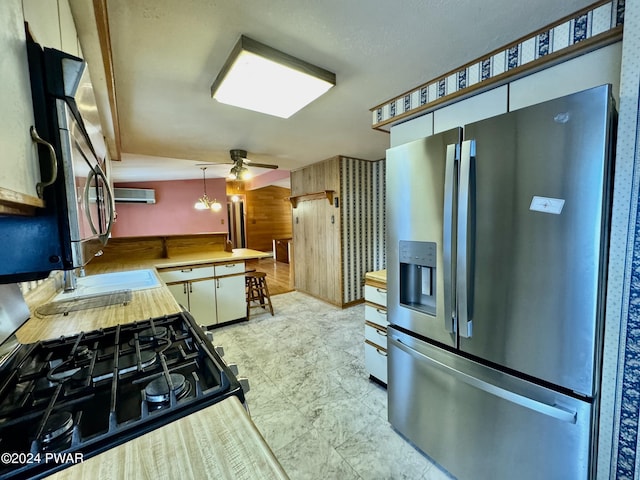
pixel 180 292
pixel 202 301
pixel 375 360
pixel 231 300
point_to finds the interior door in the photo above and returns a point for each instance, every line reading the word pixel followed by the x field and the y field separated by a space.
pixel 537 238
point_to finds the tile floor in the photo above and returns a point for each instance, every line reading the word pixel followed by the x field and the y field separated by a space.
pixel 311 397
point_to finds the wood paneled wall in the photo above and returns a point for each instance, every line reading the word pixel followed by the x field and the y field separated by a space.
pixel 317 177
pixel 267 216
pixel 334 246
pixel 316 232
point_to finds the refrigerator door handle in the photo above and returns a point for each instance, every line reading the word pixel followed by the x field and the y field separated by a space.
pixel 554 411
pixel 448 234
pixel 464 250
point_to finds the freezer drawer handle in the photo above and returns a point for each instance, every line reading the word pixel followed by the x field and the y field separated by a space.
pixel 554 411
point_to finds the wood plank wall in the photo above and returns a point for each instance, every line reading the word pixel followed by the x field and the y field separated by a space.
pixel 316 232
pixel 334 246
pixel 268 216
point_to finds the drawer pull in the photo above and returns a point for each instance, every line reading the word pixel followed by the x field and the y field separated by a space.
pixel 381 290
pixel 383 353
pixel 382 334
pixel 187 270
pixel 381 312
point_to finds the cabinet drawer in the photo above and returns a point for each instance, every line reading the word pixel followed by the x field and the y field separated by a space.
pixel 376 315
pixel 376 335
pixel 375 295
pixel 375 360
pixel 229 269
pixel 186 274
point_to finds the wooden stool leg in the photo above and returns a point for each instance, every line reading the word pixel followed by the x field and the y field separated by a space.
pixel 265 294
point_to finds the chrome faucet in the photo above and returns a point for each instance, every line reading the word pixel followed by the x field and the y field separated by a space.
pixel 69 280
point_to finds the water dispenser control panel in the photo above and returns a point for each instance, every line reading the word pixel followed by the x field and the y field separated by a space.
pixel 418 275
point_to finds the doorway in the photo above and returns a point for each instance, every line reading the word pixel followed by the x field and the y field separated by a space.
pixel 236 220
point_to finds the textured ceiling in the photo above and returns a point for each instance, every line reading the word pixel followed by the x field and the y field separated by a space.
pixel 166 54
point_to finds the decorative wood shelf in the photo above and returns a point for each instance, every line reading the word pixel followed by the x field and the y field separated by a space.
pixel 328 194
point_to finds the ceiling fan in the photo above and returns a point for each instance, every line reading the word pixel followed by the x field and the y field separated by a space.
pixel 239 171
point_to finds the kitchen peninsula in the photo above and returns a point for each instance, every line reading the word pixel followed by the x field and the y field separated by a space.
pixel 163 253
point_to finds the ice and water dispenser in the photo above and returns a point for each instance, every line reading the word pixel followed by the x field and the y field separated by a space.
pixel 418 276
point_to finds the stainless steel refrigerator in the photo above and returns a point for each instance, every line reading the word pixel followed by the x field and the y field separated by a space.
pixel 496 270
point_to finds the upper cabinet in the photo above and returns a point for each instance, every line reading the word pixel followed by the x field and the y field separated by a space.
pixel 598 67
pixel 51 24
pixel 586 71
pixel 481 106
pixel 19 166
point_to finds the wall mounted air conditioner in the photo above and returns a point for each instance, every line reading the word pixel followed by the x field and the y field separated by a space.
pixel 134 195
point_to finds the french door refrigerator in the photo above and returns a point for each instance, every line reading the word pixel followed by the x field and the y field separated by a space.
pixel 496 271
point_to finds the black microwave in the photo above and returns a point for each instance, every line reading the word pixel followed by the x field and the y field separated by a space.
pixel 76 222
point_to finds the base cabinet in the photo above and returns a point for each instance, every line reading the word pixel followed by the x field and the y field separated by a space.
pixel 212 294
pixel 231 301
pixel 375 327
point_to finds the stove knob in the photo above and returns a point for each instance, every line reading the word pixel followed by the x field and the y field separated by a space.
pixel 209 335
pixel 244 383
pixel 234 368
pixel 219 350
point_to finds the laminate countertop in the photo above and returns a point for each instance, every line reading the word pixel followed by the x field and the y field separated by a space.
pixel 378 275
pixel 218 442
pixel 144 304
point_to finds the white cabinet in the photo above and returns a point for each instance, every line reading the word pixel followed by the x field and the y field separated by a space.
pixel 589 70
pixel 202 303
pixel 231 303
pixel 375 327
pixel 481 106
pixel 212 294
pixel 19 167
pixel 194 289
pixel 411 130
pixel 51 24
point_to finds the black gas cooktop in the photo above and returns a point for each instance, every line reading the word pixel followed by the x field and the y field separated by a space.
pixel 73 397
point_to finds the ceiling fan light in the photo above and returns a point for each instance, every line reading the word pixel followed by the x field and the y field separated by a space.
pixel 259 78
pixel 245 174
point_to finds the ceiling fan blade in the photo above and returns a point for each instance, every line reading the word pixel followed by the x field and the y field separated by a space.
pixel 249 163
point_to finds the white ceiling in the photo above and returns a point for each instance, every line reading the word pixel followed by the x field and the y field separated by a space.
pixel 166 54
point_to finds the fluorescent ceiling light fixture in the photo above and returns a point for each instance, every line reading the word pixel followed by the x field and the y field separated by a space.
pixel 260 78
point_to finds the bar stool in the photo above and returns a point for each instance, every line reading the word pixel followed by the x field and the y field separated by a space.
pixel 257 291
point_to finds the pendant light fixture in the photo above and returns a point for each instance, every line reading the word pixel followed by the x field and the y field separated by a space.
pixel 204 202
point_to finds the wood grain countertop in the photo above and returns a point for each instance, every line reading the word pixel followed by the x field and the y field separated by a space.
pixel 219 442
pixel 144 304
pixel 379 276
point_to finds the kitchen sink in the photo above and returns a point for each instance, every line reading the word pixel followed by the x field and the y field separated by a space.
pixel 111 282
